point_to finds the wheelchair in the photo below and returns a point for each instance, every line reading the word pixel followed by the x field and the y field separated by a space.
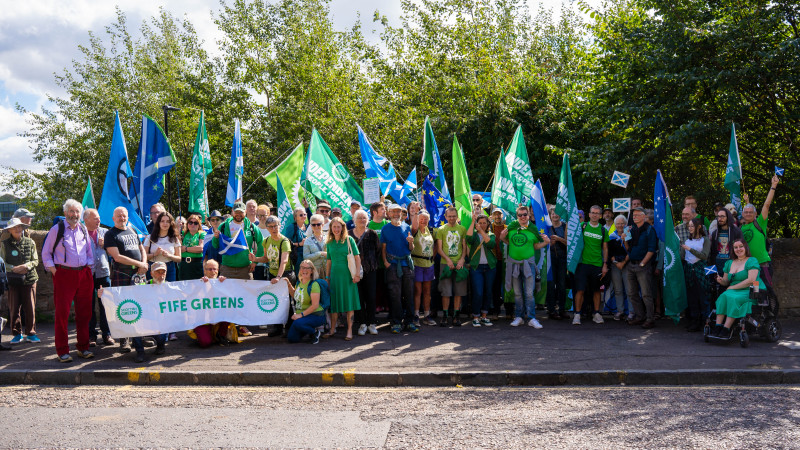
pixel 762 322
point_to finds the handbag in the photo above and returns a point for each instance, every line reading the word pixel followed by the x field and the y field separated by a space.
pixel 351 261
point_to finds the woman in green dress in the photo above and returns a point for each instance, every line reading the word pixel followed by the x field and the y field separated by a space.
pixel 191 266
pixel 344 291
pixel 740 274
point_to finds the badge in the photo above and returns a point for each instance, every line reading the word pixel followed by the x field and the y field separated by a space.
pixel 14 253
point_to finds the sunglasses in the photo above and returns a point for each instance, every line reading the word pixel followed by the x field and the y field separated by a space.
pixel 316 224
pixel 193 223
pixel 323 211
pixel 522 215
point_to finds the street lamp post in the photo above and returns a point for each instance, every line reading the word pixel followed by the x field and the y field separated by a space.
pixel 167 109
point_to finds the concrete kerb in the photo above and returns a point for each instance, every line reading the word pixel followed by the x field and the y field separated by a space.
pixel 399 379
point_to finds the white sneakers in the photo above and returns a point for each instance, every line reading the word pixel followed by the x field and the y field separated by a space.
pixel 373 329
pixel 362 330
pixel 517 322
pixel 597 318
pixel 535 324
pixel 576 318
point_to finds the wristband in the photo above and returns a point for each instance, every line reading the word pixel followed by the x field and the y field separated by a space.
pixel 301 314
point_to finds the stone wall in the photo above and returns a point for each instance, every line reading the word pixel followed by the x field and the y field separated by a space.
pixel 786 259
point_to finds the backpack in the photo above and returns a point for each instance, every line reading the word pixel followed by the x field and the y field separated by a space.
pixel 60 234
pixel 324 294
pixel 3 280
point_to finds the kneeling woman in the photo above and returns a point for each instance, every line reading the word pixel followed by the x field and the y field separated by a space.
pixel 740 274
pixel 309 315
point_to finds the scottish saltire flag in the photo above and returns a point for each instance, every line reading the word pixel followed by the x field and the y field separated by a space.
pixel 620 179
pixel 778 171
pixel 235 170
pixel 545 225
pixel 207 240
pixel 674 287
pixel 115 186
pixel 234 245
pixel 435 203
pixel 409 186
pixel 373 166
pixel 154 160
pixel 711 270
pixel 621 204
pixel 733 172
pixel 431 160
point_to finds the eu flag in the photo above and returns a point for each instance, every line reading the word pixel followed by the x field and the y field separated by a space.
pixel 435 203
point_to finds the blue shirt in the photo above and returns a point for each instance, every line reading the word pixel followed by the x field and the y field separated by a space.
pixel 395 239
pixel 643 240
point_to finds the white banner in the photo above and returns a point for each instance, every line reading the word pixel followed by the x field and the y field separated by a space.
pixel 170 307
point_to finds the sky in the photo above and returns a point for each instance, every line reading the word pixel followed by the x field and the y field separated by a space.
pixel 41 38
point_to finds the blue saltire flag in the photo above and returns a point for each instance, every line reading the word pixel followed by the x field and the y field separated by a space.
pixel 154 160
pixel 234 245
pixel 711 270
pixel 207 240
pixel 620 179
pixel 115 186
pixel 434 201
pixel 373 167
pixel 778 171
pixel 410 185
pixel 544 224
pixel 235 170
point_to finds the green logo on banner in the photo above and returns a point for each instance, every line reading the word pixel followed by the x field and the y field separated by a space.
pixel 129 312
pixel 267 302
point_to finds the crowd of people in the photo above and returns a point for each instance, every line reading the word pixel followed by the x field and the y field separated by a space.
pixel 391 259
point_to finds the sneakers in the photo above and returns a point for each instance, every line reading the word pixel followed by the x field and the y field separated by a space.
pixel 18 339
pixel 86 354
pixel 486 322
pixel 396 329
pixel 124 345
pixel 2 323
pixel 443 321
pixel 430 321
pixel 243 331
pixel 362 330
pixel 576 319
pixel 92 342
pixel 535 324
pixel 372 329
pixel 476 322
pixel 412 328
pixel 597 318
pixel 618 317
pixel 108 340
pixel 316 335
pixel 174 336
pixel 33 339
pixel 416 321
pixel 517 322
pixel 65 358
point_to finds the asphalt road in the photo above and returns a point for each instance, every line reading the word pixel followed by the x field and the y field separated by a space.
pixel 621 417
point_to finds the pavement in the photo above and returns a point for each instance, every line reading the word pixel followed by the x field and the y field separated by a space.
pixel 612 353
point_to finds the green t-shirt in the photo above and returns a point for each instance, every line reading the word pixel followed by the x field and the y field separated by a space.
pixel 756 240
pixel 521 241
pixel 423 246
pixel 302 297
pixel 376 226
pixel 452 238
pixel 593 244
pixel 193 240
pixel 273 249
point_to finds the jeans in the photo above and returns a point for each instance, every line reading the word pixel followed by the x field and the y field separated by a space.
pixel 641 279
pixel 303 326
pixel 366 293
pixel 482 279
pixel 139 345
pixel 401 295
pixel 524 302
pixel 619 278
pixel 99 312
pixel 557 291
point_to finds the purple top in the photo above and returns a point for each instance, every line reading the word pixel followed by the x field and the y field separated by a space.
pixel 74 250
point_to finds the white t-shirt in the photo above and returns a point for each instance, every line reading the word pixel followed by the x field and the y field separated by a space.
pixel 162 242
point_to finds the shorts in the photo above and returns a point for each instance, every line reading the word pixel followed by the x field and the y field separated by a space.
pixel 423 274
pixel 449 287
pixel 587 277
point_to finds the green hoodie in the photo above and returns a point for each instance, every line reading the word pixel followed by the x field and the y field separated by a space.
pixel 241 259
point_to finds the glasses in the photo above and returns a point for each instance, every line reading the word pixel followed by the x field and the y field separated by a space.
pixel 192 222
pixel 316 224
pixel 272 226
pixel 722 216
pixel 323 211
pixel 301 214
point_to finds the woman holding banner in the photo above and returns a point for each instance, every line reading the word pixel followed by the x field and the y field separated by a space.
pixel 309 315
pixel 343 282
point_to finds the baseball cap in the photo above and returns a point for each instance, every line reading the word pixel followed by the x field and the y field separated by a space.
pixel 239 206
pixel 22 212
pixel 336 211
pixel 355 202
pixel 158 265
pixel 214 213
pixel 393 206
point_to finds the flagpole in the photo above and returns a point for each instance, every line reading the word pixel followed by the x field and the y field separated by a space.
pixel 167 109
pixel 280 161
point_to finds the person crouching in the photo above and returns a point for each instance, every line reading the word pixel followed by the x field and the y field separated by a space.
pixel 209 333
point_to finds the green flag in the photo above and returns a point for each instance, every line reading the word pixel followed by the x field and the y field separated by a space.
pixel 201 168
pixel 519 166
pixel 285 214
pixel 674 285
pixel 325 177
pixel 88 196
pixel 462 193
pixel 567 208
pixel 289 171
pixel 504 195
pixel 733 173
